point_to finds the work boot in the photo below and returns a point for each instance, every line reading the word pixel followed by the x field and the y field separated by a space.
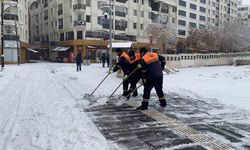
pixel 128 94
pixel 125 92
pixel 144 106
pixel 135 93
pixel 163 102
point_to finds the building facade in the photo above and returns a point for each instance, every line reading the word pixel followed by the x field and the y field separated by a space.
pixel 202 13
pixel 83 25
pixel 244 15
pixel 15 30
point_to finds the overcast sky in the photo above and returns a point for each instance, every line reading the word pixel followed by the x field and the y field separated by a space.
pixel 246 2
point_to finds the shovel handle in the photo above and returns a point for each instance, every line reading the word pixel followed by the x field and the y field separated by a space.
pixel 99 84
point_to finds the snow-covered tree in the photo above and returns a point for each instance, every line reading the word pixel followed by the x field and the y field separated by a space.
pixel 163 32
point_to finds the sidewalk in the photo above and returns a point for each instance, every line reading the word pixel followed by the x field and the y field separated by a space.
pixel 185 123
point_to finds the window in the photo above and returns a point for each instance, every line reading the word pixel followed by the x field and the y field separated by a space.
pixel 191 15
pixel 88 18
pixel 60 23
pixel 142 27
pixel 135 12
pixel 142 13
pixel 79 35
pixel 182 13
pixel 202 18
pixel 182 3
pixel 174 10
pixel 46 15
pixel 88 3
pixel 192 24
pixel 182 32
pixel 182 22
pixel 134 25
pixel 193 6
pixel 142 2
pixel 61 36
pixel 202 9
pixel 70 35
pixel 201 26
pixel 60 9
pixel 203 1
pixel 135 1
pixel 173 20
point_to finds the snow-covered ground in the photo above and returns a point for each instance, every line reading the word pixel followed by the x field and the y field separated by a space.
pixel 42 103
pixel 228 84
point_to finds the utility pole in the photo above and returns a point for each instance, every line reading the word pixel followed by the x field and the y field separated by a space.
pixel 2 42
pixel 17 44
pixel 110 35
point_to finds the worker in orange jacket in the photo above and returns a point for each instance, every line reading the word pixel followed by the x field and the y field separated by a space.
pixel 152 71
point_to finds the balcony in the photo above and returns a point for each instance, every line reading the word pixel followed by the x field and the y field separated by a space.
pixel 10 17
pixel 10 37
pixel 10 2
pixel 79 7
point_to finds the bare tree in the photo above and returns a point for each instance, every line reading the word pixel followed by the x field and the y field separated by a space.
pixel 229 37
pixel 161 30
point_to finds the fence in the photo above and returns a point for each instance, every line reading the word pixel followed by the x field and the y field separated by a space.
pixel 211 59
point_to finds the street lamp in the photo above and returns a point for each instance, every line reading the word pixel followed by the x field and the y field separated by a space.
pixel 2 46
pixel 109 7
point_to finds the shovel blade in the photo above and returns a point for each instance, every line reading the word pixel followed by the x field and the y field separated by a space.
pixel 88 96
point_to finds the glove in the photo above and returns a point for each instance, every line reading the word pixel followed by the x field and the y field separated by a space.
pixel 125 77
pixel 139 66
pixel 110 71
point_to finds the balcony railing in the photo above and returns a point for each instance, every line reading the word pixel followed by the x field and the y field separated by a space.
pixel 10 37
pixel 79 6
pixel 10 17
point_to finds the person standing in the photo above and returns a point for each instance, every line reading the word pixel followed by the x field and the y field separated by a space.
pixel 152 70
pixel 78 60
pixel 107 59
pixel 103 59
pixel 134 58
pixel 123 64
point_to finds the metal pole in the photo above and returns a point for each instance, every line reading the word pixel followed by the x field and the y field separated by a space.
pixel 110 36
pixel 2 42
pixel 17 45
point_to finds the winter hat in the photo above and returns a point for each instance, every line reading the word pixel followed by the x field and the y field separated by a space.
pixel 118 50
pixel 143 50
pixel 131 53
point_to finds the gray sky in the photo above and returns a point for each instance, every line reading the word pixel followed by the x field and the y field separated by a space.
pixel 246 2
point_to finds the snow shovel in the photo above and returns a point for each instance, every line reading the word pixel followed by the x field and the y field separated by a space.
pixel 134 90
pixel 91 95
pixel 123 81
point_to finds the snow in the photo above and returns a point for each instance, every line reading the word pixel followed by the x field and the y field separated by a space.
pixel 228 84
pixel 42 104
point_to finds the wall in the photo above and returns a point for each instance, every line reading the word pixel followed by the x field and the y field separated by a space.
pixel 192 60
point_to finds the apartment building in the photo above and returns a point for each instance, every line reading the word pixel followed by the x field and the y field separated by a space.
pixel 202 13
pixel 244 15
pixel 15 30
pixel 65 26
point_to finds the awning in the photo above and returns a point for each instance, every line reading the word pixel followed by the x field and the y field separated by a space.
pixel 121 45
pixel 62 49
pixel 31 50
pixel 56 49
pixel 91 47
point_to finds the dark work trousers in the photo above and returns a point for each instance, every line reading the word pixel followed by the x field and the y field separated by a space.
pixel 78 67
pixel 125 86
pixel 155 83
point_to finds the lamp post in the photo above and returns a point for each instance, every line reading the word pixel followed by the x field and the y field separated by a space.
pixel 2 42
pixel 110 36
